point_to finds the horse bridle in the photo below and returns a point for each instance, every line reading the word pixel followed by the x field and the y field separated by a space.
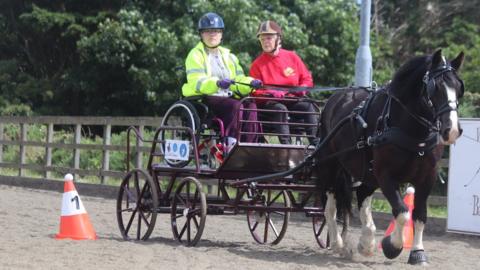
pixel 429 88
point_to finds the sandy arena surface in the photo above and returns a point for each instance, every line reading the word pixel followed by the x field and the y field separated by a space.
pixel 29 219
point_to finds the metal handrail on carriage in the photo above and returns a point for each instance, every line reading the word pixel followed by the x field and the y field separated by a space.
pixel 308 159
pixel 301 125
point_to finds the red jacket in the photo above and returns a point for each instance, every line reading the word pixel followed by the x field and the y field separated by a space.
pixel 285 68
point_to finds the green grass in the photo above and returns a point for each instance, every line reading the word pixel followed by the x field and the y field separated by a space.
pixel 432 211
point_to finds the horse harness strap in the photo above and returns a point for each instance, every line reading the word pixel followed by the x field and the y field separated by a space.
pixel 396 136
pixel 386 134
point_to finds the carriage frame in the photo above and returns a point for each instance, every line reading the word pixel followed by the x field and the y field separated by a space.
pixel 266 181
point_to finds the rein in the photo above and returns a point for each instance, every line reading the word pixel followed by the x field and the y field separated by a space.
pixel 293 89
pixel 420 119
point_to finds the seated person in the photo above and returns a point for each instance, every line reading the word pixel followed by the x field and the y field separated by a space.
pixel 212 70
pixel 282 67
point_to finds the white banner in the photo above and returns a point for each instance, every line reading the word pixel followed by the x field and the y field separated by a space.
pixel 464 180
pixel 177 150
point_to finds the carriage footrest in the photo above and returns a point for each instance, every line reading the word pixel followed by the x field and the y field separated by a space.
pixel 314 212
pixel 215 211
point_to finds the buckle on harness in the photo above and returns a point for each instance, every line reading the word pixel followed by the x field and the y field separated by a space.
pixel 361 144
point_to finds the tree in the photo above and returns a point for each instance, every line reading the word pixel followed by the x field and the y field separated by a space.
pixel 88 57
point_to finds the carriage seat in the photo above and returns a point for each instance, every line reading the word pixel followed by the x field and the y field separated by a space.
pixel 297 131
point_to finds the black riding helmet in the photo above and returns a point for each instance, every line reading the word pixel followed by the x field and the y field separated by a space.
pixel 210 20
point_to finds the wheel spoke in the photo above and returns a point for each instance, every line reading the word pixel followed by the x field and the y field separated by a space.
pixel 132 217
pixel 129 195
pixel 183 230
pixel 145 219
pixel 144 188
pixel 265 231
pixel 193 212
pixel 196 222
pixel 273 227
pixel 179 197
pixel 188 231
pixel 137 186
pixel 139 224
pixel 255 226
pixel 274 199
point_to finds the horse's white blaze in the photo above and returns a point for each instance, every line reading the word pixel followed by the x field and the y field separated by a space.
pixel 367 239
pixel 452 102
pixel 397 234
pixel 331 216
pixel 418 235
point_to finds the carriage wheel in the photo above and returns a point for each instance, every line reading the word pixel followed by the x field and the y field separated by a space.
pixel 320 228
pixel 137 204
pixel 269 227
pixel 180 114
pixel 189 211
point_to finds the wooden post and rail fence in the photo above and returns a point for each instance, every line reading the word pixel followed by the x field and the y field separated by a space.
pixel 77 125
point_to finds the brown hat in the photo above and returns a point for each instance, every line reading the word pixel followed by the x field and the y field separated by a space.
pixel 269 27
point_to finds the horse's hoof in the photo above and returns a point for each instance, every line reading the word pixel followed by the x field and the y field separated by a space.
pixel 389 250
pixel 346 253
pixel 418 257
pixel 366 251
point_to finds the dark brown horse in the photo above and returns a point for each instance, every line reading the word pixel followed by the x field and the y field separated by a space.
pixel 396 135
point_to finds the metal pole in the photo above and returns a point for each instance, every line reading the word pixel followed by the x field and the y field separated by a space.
pixel 363 59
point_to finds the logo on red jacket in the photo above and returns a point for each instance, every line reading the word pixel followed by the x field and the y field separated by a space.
pixel 289 72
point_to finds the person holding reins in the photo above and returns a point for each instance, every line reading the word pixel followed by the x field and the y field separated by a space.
pixel 277 66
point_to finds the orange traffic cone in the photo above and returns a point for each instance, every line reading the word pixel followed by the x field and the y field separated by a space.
pixel 74 221
pixel 408 228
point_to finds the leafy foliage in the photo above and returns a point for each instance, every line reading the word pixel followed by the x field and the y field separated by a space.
pixel 86 57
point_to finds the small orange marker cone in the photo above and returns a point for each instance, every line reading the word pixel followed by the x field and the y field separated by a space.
pixel 408 228
pixel 74 221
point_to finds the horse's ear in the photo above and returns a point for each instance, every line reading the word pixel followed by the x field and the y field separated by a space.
pixel 437 59
pixel 458 61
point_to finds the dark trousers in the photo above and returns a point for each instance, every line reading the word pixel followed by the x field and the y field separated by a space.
pixel 227 109
pixel 284 117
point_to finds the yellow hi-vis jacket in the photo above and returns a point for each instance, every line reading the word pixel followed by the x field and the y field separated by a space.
pixel 199 74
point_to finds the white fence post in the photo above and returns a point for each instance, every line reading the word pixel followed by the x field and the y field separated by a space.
pixel 48 150
pixel 23 138
pixel 76 152
pixel 107 133
pixel 1 145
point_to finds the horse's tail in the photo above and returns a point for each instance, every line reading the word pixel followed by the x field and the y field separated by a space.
pixel 343 193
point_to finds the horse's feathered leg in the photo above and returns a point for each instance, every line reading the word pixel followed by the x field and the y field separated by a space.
pixel 336 241
pixel 392 245
pixel 419 215
pixel 366 243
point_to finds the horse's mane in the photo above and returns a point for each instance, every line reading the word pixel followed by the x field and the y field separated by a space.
pixel 410 74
